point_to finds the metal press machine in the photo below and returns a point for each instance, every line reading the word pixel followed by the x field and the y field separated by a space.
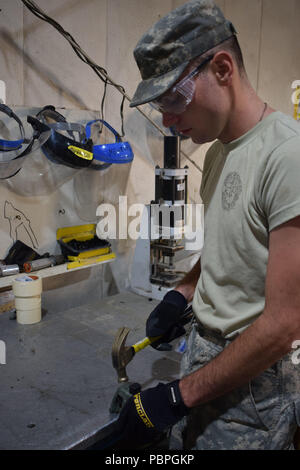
pixel 161 258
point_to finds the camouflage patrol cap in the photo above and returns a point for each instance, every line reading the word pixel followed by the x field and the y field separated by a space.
pixel 166 49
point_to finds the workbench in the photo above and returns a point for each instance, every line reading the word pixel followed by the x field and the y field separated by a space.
pixel 58 381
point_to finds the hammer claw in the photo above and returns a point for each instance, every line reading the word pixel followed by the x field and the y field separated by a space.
pixel 119 341
pixel 121 355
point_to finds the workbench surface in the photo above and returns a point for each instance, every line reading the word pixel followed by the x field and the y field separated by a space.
pixel 58 380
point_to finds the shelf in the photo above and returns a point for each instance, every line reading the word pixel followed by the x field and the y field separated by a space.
pixel 6 281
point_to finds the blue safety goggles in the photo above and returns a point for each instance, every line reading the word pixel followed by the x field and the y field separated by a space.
pixel 59 148
pixel 80 153
pixel 117 152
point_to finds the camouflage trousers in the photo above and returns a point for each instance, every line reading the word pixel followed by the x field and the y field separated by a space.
pixel 264 414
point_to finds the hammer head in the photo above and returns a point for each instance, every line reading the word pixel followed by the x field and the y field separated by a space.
pixel 121 354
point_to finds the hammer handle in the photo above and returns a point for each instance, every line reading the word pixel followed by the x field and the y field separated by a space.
pixel 186 317
pixel 144 343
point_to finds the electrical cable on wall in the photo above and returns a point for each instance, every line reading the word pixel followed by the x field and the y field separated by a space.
pixel 100 71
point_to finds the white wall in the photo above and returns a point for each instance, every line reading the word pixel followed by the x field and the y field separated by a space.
pixel 39 67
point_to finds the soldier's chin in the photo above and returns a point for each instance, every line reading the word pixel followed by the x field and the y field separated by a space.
pixel 199 140
pixel 178 134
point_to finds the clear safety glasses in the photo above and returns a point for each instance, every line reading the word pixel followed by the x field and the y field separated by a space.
pixel 180 95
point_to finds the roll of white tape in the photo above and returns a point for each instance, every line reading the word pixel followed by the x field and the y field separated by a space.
pixel 27 303
pixel 27 291
pixel 27 285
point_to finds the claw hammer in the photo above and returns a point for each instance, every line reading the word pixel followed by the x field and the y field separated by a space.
pixel 122 355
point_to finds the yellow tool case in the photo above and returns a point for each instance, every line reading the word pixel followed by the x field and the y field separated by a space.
pixel 81 245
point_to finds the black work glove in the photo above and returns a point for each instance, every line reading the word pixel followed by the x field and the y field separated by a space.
pixel 164 319
pixel 149 413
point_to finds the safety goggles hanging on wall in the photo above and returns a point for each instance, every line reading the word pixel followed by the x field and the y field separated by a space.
pixel 14 151
pixel 79 153
pixel 116 152
pixel 67 144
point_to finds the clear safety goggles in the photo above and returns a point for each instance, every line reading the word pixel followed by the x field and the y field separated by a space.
pixel 14 151
pixel 180 95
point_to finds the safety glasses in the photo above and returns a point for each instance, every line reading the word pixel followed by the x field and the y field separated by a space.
pixel 180 95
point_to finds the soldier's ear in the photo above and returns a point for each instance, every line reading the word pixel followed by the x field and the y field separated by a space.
pixel 223 66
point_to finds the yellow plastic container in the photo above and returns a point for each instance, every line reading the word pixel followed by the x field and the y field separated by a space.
pixel 81 233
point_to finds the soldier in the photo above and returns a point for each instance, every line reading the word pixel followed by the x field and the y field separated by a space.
pixel 239 388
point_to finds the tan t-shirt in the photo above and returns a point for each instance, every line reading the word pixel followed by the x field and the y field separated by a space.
pixel 249 187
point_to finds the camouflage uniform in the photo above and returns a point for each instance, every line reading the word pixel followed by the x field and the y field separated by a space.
pixel 262 415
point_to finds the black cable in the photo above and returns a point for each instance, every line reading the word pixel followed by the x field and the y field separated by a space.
pixel 100 71
pixel 122 116
pixel 102 106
